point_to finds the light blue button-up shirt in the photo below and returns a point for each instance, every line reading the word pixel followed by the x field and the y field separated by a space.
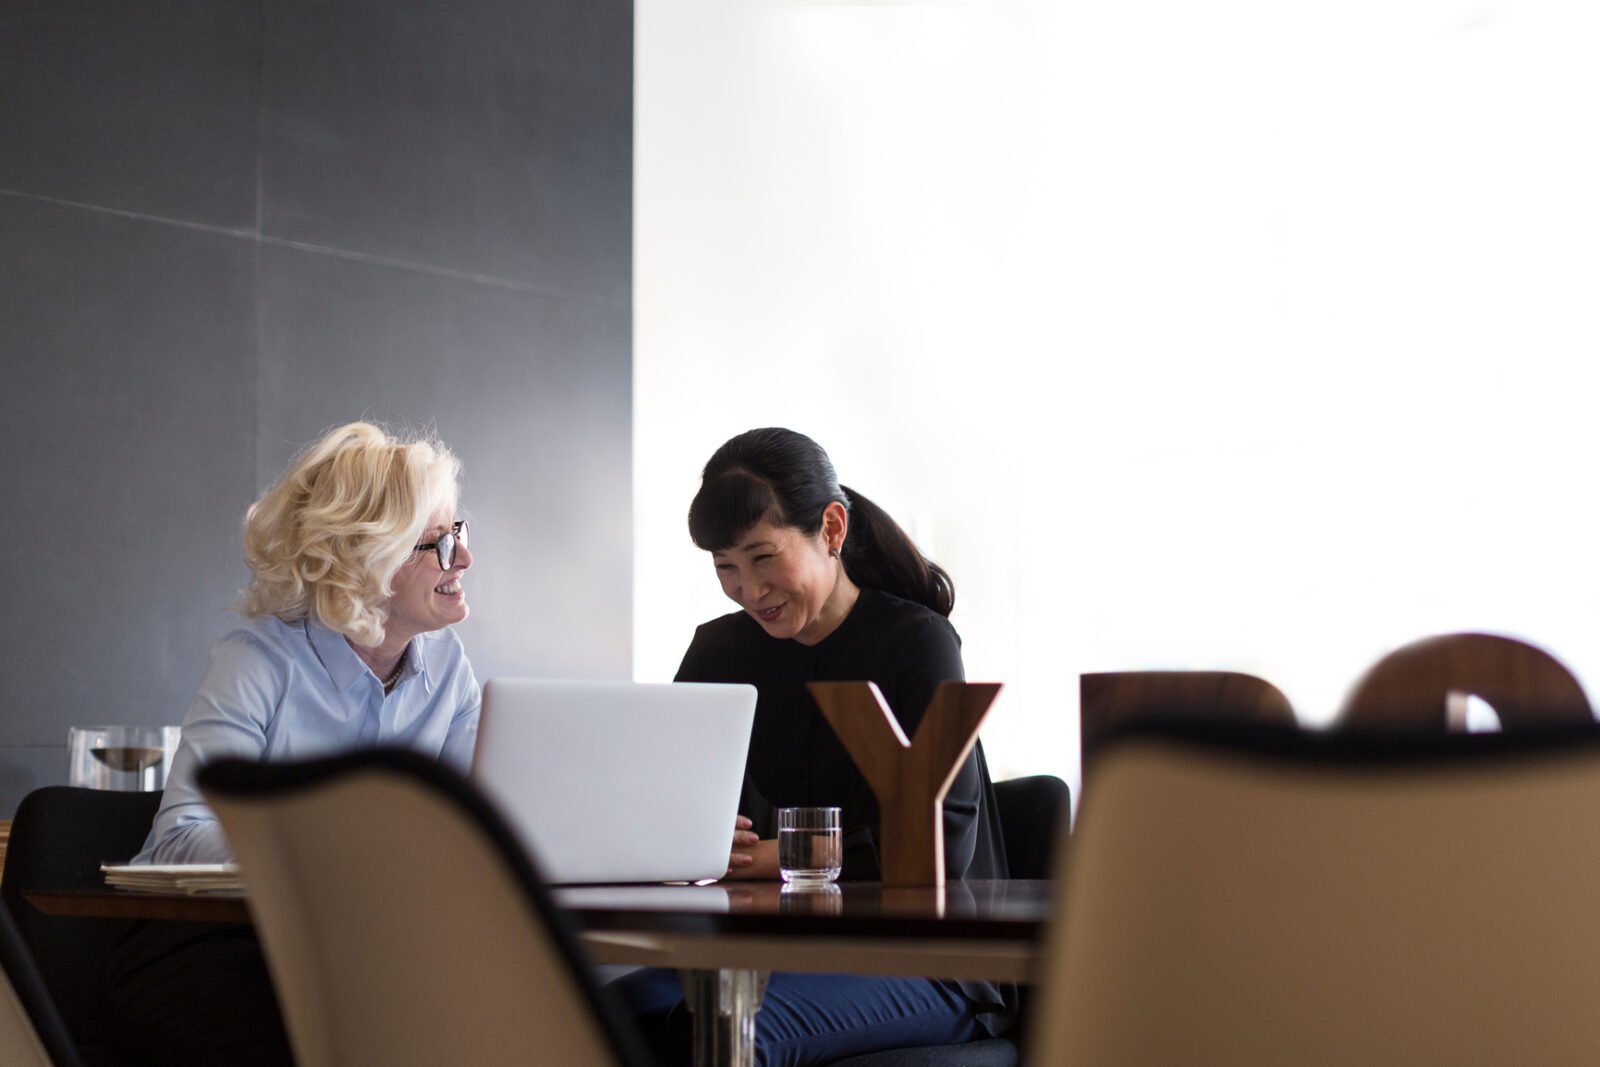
pixel 279 690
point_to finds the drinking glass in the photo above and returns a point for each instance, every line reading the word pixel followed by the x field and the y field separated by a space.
pixel 810 845
pixel 125 758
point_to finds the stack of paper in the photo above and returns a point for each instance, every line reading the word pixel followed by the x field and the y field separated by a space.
pixel 193 878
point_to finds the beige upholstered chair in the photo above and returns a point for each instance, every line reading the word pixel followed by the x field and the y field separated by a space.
pixel 402 923
pixel 1111 701
pixel 1247 897
pixel 1422 687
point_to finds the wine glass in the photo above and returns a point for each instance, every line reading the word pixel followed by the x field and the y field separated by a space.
pixel 127 758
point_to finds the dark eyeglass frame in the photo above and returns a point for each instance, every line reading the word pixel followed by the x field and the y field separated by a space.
pixel 446 545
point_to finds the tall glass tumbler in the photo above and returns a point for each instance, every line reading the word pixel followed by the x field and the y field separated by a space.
pixel 125 758
pixel 810 845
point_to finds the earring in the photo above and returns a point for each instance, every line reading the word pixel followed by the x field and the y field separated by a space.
pixel 834 551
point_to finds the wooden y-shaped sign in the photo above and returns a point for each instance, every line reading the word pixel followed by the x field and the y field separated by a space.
pixel 909 778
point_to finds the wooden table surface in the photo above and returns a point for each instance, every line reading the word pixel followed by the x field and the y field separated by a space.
pixel 977 929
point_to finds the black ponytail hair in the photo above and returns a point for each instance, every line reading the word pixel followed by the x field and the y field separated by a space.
pixel 787 477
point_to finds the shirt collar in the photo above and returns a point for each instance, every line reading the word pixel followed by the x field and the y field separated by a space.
pixel 338 658
pixel 417 656
pixel 346 668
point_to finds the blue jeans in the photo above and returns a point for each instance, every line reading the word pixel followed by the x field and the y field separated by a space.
pixel 808 1019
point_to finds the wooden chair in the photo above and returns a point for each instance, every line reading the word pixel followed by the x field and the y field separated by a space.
pixel 1423 686
pixel 1108 702
pixel 1249 897
pixel 402 922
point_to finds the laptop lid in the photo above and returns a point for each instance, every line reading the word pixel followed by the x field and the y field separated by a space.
pixel 616 781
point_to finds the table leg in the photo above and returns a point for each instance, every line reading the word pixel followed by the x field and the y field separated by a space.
pixel 724 1003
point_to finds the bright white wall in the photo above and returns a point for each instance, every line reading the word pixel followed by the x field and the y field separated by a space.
pixel 1241 335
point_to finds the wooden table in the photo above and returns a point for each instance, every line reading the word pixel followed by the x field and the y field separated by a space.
pixel 726 938
pixel 988 930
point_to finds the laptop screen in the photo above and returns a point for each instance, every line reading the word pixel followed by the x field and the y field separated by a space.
pixel 616 781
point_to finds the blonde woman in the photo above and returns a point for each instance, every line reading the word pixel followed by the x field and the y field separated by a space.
pixel 356 558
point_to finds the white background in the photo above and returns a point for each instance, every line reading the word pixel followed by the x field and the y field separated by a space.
pixel 1237 335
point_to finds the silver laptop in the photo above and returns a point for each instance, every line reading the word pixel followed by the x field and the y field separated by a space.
pixel 616 781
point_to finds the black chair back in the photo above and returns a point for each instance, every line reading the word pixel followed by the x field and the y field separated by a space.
pixel 60 836
pixel 25 990
pixel 1032 813
pixel 993 1052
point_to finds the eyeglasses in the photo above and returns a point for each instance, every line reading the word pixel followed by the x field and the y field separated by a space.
pixel 446 545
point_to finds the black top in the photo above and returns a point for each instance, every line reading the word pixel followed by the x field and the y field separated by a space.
pixel 795 759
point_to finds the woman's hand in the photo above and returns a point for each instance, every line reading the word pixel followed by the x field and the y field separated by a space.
pixel 751 857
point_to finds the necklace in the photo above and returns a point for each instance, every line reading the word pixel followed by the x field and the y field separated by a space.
pixel 389 682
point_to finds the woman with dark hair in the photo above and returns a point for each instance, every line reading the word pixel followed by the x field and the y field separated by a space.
pixel 829 589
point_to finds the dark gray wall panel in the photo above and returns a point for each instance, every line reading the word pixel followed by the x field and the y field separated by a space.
pixel 492 137
pixel 532 392
pixel 155 375
pixel 24 769
pixel 126 393
pixel 148 107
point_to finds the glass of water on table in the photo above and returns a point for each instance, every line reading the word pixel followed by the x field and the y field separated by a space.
pixel 810 845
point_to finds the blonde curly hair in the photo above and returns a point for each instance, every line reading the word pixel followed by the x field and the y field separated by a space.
pixel 326 541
